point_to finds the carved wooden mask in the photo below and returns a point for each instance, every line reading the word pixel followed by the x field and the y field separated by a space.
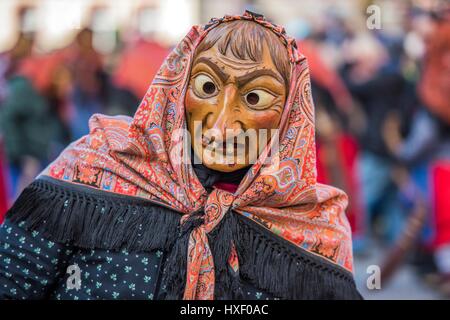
pixel 238 86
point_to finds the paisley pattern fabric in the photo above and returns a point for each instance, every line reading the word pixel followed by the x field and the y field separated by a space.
pixel 141 157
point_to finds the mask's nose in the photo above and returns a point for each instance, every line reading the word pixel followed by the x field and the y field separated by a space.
pixel 225 117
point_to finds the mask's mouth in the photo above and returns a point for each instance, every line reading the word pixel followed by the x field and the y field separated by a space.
pixel 228 146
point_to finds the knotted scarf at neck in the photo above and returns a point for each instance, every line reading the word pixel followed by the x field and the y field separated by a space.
pixel 140 157
pixel 195 228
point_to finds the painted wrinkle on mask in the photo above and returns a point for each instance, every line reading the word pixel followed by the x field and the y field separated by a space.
pixel 229 93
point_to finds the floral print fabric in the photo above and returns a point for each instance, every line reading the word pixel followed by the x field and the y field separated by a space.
pixel 32 267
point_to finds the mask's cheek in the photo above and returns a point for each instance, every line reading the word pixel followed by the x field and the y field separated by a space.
pixel 197 110
pixel 257 121
pixel 267 119
pixel 196 106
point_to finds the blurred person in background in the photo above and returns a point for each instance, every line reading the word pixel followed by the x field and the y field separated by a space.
pixel 425 150
pixel 105 83
pixel 4 192
pixel 32 125
pixel 88 82
pixel 9 63
pixel 376 83
pixel 140 60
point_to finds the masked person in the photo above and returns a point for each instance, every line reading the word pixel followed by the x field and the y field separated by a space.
pixel 127 212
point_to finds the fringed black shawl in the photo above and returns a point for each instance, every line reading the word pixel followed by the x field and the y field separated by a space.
pixel 89 218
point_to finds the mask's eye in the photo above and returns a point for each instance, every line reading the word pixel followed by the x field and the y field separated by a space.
pixel 259 99
pixel 204 86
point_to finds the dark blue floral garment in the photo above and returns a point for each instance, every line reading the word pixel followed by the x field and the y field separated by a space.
pixel 32 267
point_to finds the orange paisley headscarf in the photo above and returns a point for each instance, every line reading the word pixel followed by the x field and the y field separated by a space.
pixel 140 157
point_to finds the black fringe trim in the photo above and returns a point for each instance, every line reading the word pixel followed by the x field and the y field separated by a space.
pixel 221 239
pixel 90 218
pixel 287 271
pixel 175 269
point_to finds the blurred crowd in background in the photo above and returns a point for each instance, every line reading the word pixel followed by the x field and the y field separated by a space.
pixel 382 96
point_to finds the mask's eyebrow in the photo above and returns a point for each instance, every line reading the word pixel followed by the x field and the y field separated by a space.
pixel 222 75
pixel 242 80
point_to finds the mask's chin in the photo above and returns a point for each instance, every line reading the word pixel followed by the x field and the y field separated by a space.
pixel 224 167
